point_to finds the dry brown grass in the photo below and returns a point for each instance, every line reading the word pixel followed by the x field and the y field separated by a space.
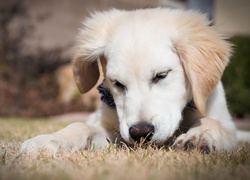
pixel 112 163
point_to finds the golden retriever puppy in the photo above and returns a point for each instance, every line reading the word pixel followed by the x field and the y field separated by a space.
pixel 162 71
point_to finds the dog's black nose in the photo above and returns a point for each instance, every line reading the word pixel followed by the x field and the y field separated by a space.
pixel 141 131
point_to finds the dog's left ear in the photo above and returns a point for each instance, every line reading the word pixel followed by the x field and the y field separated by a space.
pixel 204 54
pixel 92 41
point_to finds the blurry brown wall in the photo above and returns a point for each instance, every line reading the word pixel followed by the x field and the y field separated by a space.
pixel 56 22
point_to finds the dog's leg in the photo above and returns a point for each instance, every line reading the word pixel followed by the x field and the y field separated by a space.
pixel 216 131
pixel 74 137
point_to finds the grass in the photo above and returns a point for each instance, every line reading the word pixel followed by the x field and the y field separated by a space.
pixel 113 163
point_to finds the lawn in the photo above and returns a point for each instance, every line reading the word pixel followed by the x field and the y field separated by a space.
pixel 113 163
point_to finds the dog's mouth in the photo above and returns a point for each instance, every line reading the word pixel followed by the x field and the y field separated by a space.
pixel 147 132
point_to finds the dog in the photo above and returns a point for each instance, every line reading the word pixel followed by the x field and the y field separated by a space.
pixel 162 73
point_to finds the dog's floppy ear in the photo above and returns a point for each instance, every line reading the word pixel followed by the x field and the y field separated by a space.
pixel 91 43
pixel 204 54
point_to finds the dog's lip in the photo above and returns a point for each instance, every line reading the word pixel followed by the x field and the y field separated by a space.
pixel 152 139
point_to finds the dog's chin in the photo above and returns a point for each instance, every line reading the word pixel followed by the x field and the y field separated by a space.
pixel 157 140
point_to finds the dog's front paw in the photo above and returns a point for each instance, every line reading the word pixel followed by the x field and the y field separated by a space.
pixel 196 138
pixel 208 136
pixel 42 142
pixel 74 137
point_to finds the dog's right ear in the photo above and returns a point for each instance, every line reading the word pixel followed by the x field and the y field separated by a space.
pixel 91 43
pixel 204 54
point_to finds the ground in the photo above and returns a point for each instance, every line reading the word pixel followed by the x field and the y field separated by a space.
pixel 112 163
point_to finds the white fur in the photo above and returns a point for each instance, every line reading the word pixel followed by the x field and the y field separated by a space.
pixel 133 47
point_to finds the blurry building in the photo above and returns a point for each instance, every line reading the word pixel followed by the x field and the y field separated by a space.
pixel 230 16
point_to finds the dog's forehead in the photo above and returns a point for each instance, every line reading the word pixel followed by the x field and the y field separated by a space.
pixel 139 47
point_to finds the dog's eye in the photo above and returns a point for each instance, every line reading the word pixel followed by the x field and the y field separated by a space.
pixel 118 85
pixel 160 76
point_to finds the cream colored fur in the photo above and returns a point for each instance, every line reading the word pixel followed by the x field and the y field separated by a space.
pixel 133 47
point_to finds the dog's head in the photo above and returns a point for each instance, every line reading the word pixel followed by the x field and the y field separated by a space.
pixel 154 61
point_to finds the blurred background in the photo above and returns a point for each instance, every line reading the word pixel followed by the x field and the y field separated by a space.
pixel 37 36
